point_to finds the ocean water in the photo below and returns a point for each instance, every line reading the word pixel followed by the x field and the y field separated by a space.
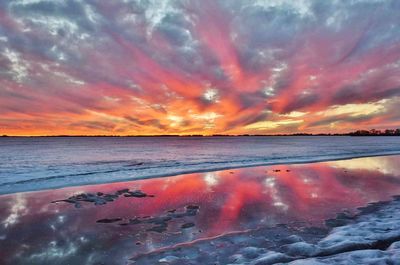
pixel 28 164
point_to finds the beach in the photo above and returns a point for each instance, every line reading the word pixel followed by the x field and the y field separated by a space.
pixel 332 212
pixel 209 132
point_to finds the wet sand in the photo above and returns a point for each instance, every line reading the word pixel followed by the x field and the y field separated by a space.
pixel 232 216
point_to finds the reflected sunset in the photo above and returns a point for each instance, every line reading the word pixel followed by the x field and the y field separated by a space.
pixel 229 201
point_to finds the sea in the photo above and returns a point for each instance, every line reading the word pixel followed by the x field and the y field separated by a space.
pixel 39 163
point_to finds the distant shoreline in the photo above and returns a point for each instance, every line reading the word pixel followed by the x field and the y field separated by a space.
pixel 372 132
pixel 186 136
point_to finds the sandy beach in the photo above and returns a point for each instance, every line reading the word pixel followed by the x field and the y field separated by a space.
pixel 297 214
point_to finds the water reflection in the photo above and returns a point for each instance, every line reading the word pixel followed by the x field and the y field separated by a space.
pixel 35 231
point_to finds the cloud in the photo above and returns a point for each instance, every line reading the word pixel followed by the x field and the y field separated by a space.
pixel 145 61
pixel 300 101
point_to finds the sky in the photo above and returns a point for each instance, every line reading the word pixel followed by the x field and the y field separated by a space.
pixel 148 67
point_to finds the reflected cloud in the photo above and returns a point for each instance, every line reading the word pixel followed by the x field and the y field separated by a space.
pixel 211 179
pixel 17 210
pixel 184 208
pixel 373 164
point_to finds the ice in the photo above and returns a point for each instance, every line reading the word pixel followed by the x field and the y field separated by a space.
pixel 292 239
pixel 300 249
pixel 251 252
pixel 370 237
pixel 270 258
pixel 373 239
pixel 372 230
pixel 364 257
pixel 169 259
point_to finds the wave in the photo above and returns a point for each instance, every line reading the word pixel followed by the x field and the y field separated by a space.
pixel 146 170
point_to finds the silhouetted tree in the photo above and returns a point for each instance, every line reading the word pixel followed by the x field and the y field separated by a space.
pixel 373 132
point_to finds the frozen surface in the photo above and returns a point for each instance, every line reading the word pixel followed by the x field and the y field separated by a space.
pixel 43 163
pixel 254 215
pixel 371 237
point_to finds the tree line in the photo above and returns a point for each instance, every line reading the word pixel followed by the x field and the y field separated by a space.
pixel 373 132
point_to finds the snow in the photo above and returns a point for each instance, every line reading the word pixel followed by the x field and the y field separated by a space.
pixel 370 237
pixel 300 249
pixel 270 258
pixel 365 257
pixel 362 242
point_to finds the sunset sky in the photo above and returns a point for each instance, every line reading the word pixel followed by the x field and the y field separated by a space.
pixel 198 67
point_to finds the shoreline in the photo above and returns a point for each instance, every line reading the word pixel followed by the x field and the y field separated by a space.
pixel 215 169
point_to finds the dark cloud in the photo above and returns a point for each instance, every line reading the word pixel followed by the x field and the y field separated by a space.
pixel 350 94
pixel 146 122
pixel 300 101
pixel 342 119
pixel 246 120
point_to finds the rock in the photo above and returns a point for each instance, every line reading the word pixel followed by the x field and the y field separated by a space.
pixel 159 220
pixel 187 225
pixel 136 193
pixel 66 200
pixel 122 191
pixel 191 210
pixel 159 229
pixel 292 239
pixel 335 222
pixel 109 199
pixel 133 221
pixel 106 220
pixel 100 202
pixel 99 198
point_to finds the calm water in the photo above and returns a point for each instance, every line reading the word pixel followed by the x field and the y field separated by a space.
pixel 42 163
pixel 35 231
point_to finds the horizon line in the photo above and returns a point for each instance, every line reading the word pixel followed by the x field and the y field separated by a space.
pixel 353 133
